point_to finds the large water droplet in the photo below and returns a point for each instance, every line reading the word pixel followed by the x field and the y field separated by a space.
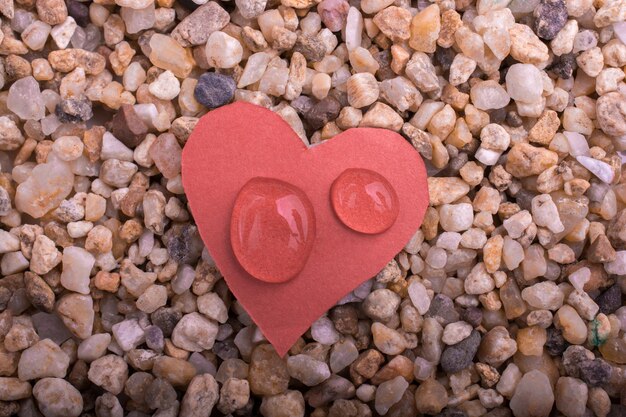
pixel 364 201
pixel 272 229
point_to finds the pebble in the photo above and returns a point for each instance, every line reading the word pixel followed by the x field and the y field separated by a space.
pixel 77 265
pixel 76 312
pixel 533 395
pixel 109 372
pixel 214 90
pixel 496 346
pixel 611 114
pixel 459 356
pixel 268 373
pixel 45 188
pixel 524 83
pixel 93 347
pixel 389 393
pixel 430 397
pixel 306 369
pixel 57 398
pixel 289 403
pixel 333 13
pixel 39 293
pixel 456 332
pixel 201 396
pixel 524 160
pixel 196 28
pixel 44 359
pixel 234 395
pixel 381 304
pixel 550 17
pixel 128 127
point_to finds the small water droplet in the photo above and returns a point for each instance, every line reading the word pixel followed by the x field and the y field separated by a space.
pixel 272 229
pixel 364 201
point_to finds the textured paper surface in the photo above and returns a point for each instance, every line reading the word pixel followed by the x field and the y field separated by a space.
pixel 233 144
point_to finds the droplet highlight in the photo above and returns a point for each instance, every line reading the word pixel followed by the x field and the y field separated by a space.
pixel 364 201
pixel 272 229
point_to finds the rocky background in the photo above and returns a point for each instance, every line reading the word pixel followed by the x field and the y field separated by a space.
pixel 509 300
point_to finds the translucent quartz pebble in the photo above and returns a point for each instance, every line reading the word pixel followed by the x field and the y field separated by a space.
pixel 25 99
pixel 364 201
pixel 44 190
pixel 272 229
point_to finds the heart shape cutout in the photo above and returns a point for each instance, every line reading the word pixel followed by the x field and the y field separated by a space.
pixel 235 144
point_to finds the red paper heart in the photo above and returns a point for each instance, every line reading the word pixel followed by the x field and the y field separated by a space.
pixel 234 144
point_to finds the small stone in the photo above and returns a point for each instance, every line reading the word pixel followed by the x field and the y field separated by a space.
pixel 430 397
pixel 12 389
pixel 394 22
pixel 234 395
pixel 77 265
pixel 526 47
pixel 25 99
pixel 128 127
pixel 53 12
pixel 196 28
pixel 38 292
pixel 421 72
pixel 201 396
pixel 223 51
pixel 389 393
pixel 109 372
pixel 456 332
pixel 381 304
pixel 382 116
pixel 524 83
pixel 212 306
pixel 342 354
pixel 487 95
pixel 533 395
pixel 76 312
pixel 550 17
pixel 497 346
pixel 289 403
pixel 446 190
pixel 268 374
pixel 611 114
pixel 214 90
pixel 459 356
pixel 165 87
pixel 456 217
pixel 57 398
pixel 194 333
pixel 11 137
pixel 42 360
pixel 333 13
pixel 306 369
pixel 168 54
pixel 362 90
pixel 93 347
pixel 524 160
pixel 573 327
pixel 177 372
pixel 62 33
pixel 387 340
pixel 425 27
pixel 419 297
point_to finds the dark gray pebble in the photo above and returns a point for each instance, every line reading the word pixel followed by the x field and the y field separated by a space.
pixel 457 357
pixel 550 17
pixel 214 90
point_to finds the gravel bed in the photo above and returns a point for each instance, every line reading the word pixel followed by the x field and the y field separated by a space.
pixel 509 300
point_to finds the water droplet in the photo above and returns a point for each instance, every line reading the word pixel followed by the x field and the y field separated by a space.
pixel 272 229
pixel 364 201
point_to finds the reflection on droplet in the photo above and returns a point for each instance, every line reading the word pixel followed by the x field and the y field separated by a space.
pixel 364 201
pixel 272 229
